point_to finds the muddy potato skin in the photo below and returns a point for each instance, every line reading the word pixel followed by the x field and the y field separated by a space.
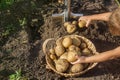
pixel 61 65
pixel 73 47
pixel 83 45
pixel 76 41
pixel 86 52
pixel 67 42
pixel 64 56
pixel 77 68
pixel 71 28
pixel 81 23
pixel 71 56
pixel 59 50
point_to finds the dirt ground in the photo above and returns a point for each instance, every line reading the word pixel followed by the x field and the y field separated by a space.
pixel 28 55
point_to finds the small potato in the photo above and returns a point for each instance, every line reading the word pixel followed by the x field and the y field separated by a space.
pixel 76 41
pixel 72 47
pixel 60 1
pixel 59 50
pixel 82 23
pixel 86 52
pixel 72 56
pixel 67 42
pixel 83 45
pixel 66 24
pixel 64 56
pixel 61 65
pixel 53 57
pixel 74 22
pixel 77 68
pixel 71 28
pixel 52 51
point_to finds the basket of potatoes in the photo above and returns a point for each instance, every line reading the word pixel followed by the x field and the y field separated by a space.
pixel 59 54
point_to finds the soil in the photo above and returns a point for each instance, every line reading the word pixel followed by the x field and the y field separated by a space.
pixel 20 52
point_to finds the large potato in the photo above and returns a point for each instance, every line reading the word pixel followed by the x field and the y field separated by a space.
pixel 76 41
pixel 61 65
pixel 73 47
pixel 59 50
pixel 72 56
pixel 67 42
pixel 71 28
pixel 76 68
pixel 64 56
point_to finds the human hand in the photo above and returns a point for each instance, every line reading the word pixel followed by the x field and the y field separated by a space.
pixel 87 19
pixel 80 59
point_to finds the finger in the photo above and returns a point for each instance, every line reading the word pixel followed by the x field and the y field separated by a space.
pixel 77 56
pixel 88 23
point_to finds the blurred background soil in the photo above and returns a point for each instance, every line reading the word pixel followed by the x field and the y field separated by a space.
pixel 26 24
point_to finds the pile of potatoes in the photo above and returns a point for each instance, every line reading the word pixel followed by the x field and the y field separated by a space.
pixel 72 26
pixel 65 52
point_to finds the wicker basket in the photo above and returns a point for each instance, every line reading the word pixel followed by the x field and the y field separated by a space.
pixel 50 62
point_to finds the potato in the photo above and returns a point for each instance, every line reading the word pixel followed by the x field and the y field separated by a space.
pixel 52 51
pixel 60 1
pixel 61 65
pixel 66 24
pixel 74 22
pixel 64 56
pixel 72 47
pixel 83 45
pixel 71 28
pixel 67 42
pixel 82 23
pixel 86 52
pixel 77 68
pixel 76 41
pixel 52 56
pixel 59 42
pixel 59 50
pixel 72 56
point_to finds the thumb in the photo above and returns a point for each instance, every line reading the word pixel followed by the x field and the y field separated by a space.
pixel 88 23
pixel 79 60
pixel 76 62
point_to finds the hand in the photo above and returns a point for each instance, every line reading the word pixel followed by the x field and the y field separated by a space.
pixel 80 59
pixel 87 19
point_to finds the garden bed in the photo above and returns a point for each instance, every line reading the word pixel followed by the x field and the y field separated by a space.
pixel 23 50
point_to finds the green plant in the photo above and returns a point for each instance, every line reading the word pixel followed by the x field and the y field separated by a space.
pixel 22 21
pixel 17 76
pixel 6 3
pixel 8 29
pixel 117 1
